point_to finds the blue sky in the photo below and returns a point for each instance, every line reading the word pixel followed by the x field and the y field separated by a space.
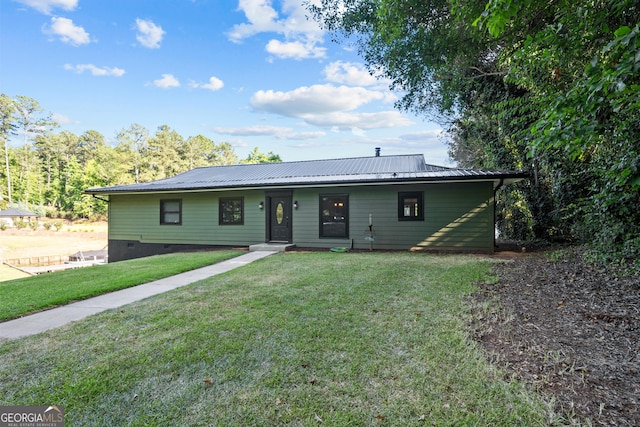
pixel 254 73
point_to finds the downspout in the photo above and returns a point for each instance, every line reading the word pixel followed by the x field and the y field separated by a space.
pixel 495 204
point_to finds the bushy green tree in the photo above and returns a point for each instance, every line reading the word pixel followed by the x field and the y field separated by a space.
pixel 258 157
pixel 132 142
pixel 50 171
pixel 165 154
pixel 7 127
pixel 549 87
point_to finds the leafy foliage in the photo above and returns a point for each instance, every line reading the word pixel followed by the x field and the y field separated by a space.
pixel 49 172
pixel 549 87
pixel 595 125
pixel 256 157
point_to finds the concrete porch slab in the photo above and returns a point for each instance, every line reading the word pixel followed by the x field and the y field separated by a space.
pixel 271 247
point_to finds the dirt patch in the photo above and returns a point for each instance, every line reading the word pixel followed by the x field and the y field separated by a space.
pixel 15 243
pixel 568 329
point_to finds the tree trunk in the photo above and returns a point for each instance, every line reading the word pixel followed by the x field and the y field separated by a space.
pixel 6 160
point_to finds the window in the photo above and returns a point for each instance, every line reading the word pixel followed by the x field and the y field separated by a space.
pixel 231 211
pixel 334 215
pixel 411 206
pixel 171 212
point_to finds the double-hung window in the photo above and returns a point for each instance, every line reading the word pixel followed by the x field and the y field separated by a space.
pixel 171 212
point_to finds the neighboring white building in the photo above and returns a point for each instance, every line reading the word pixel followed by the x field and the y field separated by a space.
pixel 9 216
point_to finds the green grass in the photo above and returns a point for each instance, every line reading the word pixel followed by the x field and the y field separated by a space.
pixel 22 296
pixel 8 273
pixel 301 339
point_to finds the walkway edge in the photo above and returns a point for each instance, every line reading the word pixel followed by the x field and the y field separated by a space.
pixel 56 317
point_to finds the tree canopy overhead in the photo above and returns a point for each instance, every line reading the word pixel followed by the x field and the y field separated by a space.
pixel 550 87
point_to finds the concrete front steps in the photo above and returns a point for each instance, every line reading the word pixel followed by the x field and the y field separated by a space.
pixel 271 247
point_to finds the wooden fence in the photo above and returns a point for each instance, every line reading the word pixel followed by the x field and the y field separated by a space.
pixel 39 261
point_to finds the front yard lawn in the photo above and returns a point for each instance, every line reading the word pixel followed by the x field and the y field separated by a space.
pixel 23 296
pixel 368 339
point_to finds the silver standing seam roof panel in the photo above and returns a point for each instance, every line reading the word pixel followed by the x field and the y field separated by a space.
pixel 360 170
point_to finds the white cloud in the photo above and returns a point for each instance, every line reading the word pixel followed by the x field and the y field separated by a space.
pixel 46 6
pixel 253 130
pixel 296 50
pixel 279 132
pixel 301 35
pixel 349 73
pixel 261 16
pixel 62 119
pixel 149 34
pixel 213 85
pixel 357 122
pixel 357 131
pixel 431 135
pixel 304 135
pixel 330 106
pixel 429 142
pixel 94 70
pixel 67 31
pixel 167 81
pixel 296 21
pixel 314 99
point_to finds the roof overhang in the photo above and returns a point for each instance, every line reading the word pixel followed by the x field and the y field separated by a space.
pixel 497 179
pixel 362 171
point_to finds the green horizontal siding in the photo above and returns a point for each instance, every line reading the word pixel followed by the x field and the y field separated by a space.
pixel 137 217
pixel 457 217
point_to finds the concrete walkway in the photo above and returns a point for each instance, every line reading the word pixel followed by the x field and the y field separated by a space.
pixel 49 319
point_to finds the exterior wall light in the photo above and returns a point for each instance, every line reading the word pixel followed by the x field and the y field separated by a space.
pixel 295 204
pixel 261 205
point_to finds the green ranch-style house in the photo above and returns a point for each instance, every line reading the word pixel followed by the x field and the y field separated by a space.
pixel 381 202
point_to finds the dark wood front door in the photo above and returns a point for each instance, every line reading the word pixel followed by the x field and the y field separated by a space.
pixel 279 220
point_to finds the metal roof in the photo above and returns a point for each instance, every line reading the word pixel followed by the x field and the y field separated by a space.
pixel 15 212
pixel 360 170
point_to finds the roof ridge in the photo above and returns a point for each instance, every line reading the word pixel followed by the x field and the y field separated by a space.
pixel 309 161
pixel 440 166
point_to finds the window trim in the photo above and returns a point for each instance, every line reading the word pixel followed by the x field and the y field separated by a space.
pixel 346 215
pixel 221 200
pixel 163 212
pixel 402 196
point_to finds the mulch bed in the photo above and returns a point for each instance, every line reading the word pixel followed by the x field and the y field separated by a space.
pixel 569 330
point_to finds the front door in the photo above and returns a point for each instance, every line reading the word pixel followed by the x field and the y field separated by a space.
pixel 279 218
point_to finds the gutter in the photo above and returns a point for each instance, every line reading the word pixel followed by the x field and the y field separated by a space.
pixel 96 197
pixel 313 184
